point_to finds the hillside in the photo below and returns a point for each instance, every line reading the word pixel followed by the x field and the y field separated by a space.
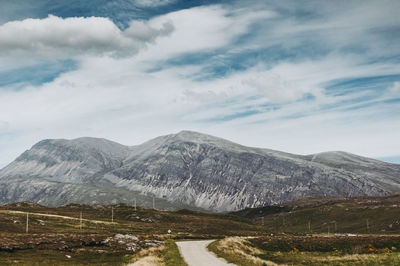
pixel 55 232
pixel 187 170
pixel 361 215
pixel 108 234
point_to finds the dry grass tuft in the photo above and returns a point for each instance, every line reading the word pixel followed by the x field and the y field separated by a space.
pixel 148 256
pixel 146 261
pixel 237 247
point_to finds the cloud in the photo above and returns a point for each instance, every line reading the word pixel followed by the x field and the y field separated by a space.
pixel 58 37
pixel 141 31
pixel 201 29
pixel 153 3
pixel 287 77
pixel 395 88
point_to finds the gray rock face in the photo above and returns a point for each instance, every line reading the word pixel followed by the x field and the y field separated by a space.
pixel 187 169
pixel 73 161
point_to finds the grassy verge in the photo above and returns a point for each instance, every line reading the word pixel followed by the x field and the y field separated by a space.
pixel 257 251
pixel 213 247
pixel 167 254
pixel 171 255
pixel 234 250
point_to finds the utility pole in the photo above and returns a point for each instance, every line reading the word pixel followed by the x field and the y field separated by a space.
pixel 262 220
pixel 328 229
pixel 368 226
pixel 309 226
pixel 154 204
pixel 27 222
pixel 135 204
pixel 335 226
pixel 80 221
pixel 112 214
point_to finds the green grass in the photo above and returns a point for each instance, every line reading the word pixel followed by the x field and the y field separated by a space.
pixel 171 255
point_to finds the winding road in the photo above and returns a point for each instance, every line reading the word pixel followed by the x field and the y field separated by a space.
pixel 195 253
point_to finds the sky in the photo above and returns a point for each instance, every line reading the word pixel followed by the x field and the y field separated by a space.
pixel 297 76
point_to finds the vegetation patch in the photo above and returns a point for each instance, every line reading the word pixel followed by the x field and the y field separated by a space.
pixel 238 251
pixel 171 255
pixel 54 257
pixel 344 244
pixel 167 254
pixel 295 250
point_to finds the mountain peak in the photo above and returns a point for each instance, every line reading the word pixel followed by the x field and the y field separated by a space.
pixel 189 168
pixel 196 136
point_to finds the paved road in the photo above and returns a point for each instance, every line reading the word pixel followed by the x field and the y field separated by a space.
pixel 195 253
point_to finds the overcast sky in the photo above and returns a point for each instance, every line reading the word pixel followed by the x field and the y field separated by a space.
pixel 297 76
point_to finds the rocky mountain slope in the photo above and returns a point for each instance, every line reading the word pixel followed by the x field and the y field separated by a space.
pixel 187 169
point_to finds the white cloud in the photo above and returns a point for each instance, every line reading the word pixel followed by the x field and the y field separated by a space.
pixel 153 3
pixel 57 37
pixel 117 98
pixel 200 29
pixel 395 88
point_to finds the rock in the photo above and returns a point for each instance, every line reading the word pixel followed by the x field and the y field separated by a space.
pixel 153 243
pixel 129 242
pixel 127 237
pixel 188 168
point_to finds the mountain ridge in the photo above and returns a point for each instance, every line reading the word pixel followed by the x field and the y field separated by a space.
pixel 193 169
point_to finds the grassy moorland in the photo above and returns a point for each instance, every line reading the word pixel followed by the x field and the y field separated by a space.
pixel 320 231
pixel 121 219
pixel 364 215
pixel 311 250
pixel 57 236
pixel 289 233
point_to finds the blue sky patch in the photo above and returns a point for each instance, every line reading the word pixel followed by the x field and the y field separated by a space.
pixel 35 75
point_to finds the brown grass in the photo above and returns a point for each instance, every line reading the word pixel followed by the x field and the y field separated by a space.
pixel 148 256
pixel 146 261
pixel 235 249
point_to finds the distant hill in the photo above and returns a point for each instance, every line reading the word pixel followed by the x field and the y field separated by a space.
pixel 187 170
pixel 361 215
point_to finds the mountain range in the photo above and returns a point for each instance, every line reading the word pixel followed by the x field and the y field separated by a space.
pixel 186 170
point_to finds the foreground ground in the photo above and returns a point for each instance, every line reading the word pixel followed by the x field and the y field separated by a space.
pixel 316 250
pixel 359 231
pixel 107 235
